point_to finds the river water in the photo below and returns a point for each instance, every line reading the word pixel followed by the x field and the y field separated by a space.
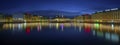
pixel 59 34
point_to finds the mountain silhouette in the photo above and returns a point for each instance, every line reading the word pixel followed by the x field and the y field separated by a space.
pixel 47 13
pixel 51 13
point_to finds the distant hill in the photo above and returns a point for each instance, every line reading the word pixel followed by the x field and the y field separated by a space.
pixel 52 13
pixel 48 13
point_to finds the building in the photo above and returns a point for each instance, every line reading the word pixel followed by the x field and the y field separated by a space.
pixel 83 18
pixel 109 15
pixel 30 17
pixel 1 16
pixel 8 18
pixel 87 17
pixel 27 16
pixel 61 19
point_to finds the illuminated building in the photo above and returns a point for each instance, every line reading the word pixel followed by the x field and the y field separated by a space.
pixel 86 17
pixel 29 17
pixel 61 19
pixel 83 18
pixel 35 17
pixel 109 15
pixel 78 18
pixel 1 16
pixel 8 18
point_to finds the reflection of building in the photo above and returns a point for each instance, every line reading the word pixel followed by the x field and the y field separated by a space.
pixel 107 35
pixel 87 28
pixel 110 15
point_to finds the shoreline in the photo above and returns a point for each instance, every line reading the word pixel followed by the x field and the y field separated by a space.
pixel 63 22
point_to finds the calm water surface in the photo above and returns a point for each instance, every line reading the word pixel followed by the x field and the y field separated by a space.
pixel 59 34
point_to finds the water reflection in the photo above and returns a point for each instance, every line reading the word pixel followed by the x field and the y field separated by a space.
pixel 110 32
pixel 62 26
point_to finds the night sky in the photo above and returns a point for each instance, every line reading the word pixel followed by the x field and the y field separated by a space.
pixel 84 6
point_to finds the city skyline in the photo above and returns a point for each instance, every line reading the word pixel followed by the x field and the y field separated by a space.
pixel 60 22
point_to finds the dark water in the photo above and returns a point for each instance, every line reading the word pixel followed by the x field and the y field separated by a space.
pixel 59 34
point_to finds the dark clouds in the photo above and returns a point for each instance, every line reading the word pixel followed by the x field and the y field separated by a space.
pixel 87 6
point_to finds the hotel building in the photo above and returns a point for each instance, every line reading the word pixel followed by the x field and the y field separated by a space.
pixel 109 15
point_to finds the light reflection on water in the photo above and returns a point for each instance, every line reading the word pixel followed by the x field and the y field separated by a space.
pixel 110 32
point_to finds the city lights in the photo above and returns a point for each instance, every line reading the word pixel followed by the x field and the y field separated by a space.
pixel 104 16
pixel 60 22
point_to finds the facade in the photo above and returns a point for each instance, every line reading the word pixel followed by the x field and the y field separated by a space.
pixel 29 17
pixel 78 18
pixel 61 19
pixel 83 18
pixel 110 15
pixel 1 16
pixel 8 18
pixel 86 17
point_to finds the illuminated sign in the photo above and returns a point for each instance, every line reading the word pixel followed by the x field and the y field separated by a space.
pixel 114 9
